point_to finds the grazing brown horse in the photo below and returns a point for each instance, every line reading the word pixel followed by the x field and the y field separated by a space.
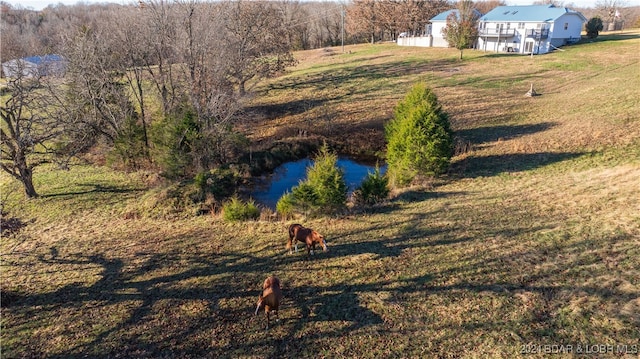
pixel 299 233
pixel 270 298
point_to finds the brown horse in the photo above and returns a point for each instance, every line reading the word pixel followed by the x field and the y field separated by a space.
pixel 270 298
pixel 299 233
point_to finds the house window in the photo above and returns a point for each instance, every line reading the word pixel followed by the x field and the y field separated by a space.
pixel 508 25
pixel 566 25
pixel 521 25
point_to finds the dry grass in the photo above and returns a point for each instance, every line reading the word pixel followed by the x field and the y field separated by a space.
pixel 532 239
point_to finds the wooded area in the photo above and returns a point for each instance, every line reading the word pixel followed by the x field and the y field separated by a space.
pixel 300 25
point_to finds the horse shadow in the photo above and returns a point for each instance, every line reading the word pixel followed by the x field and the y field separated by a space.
pixel 334 303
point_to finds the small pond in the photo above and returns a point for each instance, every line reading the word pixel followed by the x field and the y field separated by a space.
pixel 270 188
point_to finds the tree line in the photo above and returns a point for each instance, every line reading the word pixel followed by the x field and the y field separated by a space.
pixel 302 24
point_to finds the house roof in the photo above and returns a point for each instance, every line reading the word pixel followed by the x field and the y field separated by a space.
pixel 443 15
pixel 528 13
pixel 43 59
pixel 35 65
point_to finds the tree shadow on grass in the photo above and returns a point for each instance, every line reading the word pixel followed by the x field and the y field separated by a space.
pixel 156 288
pixel 349 79
pixel 289 108
pixel 480 137
pixel 549 289
pixel 479 166
pixel 93 188
pixel 155 324
pixel 486 166
pixel 118 285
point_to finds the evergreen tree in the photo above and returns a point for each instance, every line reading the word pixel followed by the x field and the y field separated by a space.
pixel 593 27
pixel 419 137
pixel 323 191
pixel 327 180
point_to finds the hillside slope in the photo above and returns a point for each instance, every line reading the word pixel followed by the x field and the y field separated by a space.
pixel 531 244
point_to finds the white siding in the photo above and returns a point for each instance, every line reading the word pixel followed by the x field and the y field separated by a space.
pixel 435 39
pixel 13 68
pixel 420 41
pixel 436 30
pixel 518 40
pixel 573 31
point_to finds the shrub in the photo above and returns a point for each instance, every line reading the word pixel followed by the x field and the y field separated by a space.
pixel 419 137
pixel 173 138
pixel 305 197
pixel 185 144
pixel 218 182
pixel 235 210
pixel 129 146
pixel 327 181
pixel 323 191
pixel 374 189
pixel 593 27
pixel 286 206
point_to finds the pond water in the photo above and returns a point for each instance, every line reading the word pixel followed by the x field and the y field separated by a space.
pixel 270 188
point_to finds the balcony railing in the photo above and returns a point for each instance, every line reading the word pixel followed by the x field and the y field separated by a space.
pixel 538 34
pixel 497 33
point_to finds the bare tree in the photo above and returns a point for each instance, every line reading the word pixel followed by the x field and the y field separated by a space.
pixel 19 32
pixel 254 37
pixel 210 92
pixel 556 3
pixel 609 10
pixel 461 30
pixel 96 96
pixel 385 19
pixel 330 25
pixel 296 23
pixel 127 36
pixel 166 60
pixel 363 18
pixel 325 23
pixel 32 130
pixel 160 54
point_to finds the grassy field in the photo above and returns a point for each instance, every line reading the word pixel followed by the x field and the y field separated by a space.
pixel 529 245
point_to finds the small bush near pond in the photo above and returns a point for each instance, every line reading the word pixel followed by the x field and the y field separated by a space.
pixel 324 191
pixel 286 206
pixel 235 210
pixel 374 189
pixel 219 182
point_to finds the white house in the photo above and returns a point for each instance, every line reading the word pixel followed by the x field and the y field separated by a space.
pixel 529 29
pixel 432 36
pixel 524 29
pixel 438 23
pixel 33 66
